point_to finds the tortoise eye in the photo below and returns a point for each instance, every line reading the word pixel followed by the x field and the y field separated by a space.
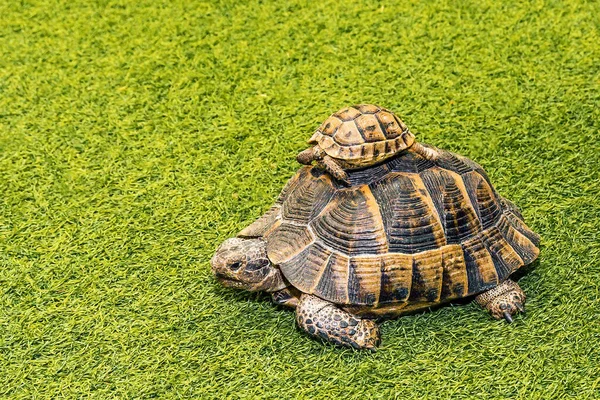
pixel 235 266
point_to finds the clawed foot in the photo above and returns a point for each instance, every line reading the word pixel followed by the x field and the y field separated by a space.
pixel 503 301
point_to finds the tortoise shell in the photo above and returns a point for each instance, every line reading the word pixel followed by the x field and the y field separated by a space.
pixel 364 133
pixel 410 231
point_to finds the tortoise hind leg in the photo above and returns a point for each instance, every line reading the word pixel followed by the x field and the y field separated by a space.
pixel 503 301
pixel 325 320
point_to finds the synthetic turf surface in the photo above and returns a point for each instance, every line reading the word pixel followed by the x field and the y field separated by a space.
pixel 135 136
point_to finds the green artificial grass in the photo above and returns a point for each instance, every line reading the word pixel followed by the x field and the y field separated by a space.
pixel 135 136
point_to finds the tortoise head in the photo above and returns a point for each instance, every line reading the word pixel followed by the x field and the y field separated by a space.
pixel 243 264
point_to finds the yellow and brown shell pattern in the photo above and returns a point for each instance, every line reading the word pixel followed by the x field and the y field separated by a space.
pixel 406 234
pixel 362 134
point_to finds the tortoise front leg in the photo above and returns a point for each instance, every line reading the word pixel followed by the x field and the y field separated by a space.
pixel 323 161
pixel 288 297
pixel 503 301
pixel 325 320
pixel 332 166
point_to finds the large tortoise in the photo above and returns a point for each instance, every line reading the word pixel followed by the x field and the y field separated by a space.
pixel 354 240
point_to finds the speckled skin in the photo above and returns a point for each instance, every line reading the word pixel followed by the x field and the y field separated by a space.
pixel 324 320
pixel 503 301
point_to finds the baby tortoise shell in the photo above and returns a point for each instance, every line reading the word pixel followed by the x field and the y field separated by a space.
pixel 362 135
pixel 406 234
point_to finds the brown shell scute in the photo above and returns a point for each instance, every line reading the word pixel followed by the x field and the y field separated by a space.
pixel 409 221
pixel 347 114
pixel 305 201
pixel 410 232
pixel 370 128
pixel 391 124
pixel 287 241
pixel 348 134
pixel 351 224
pixel 330 126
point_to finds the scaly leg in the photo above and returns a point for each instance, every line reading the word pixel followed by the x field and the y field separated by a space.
pixel 503 301
pixel 324 161
pixel 288 297
pixel 325 320
pixel 331 166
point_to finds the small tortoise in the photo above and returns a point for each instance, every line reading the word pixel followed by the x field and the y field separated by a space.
pixel 402 226
pixel 358 137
